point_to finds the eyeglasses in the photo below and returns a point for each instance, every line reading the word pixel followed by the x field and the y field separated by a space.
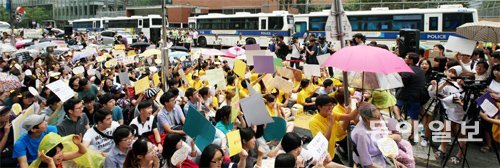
pixel 79 108
pixel 128 138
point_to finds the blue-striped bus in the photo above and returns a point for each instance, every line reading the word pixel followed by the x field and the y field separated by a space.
pixel 257 28
pixel 383 25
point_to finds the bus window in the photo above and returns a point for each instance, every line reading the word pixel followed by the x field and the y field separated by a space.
pixel 98 24
pixel 263 24
pixel 300 27
pixel 317 23
pixel 157 22
pixel 290 19
pixel 452 20
pixel 140 23
pixel 407 22
pixel 433 23
pixel 192 25
pixel 275 23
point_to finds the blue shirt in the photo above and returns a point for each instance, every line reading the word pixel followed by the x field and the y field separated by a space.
pixel 115 158
pixel 223 127
pixel 117 114
pixel 27 146
pixel 172 118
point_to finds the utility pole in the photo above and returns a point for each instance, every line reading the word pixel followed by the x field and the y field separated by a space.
pixel 11 19
pixel 163 46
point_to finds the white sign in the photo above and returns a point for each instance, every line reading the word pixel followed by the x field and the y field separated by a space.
pixel 461 45
pixel 62 90
pixel 331 32
pixel 313 70
pixel 318 148
pixel 33 33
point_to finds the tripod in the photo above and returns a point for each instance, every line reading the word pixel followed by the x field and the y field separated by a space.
pixel 437 110
pixel 469 108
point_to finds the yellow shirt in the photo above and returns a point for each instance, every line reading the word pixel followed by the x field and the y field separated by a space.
pixel 302 96
pixel 257 88
pixel 196 84
pixel 272 111
pixel 230 88
pixel 318 123
pixel 244 93
pixel 215 102
pixel 341 133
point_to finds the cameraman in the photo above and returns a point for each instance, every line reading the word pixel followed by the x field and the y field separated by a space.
pixel 281 48
pixel 296 52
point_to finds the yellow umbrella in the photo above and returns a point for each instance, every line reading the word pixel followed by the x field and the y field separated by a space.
pixel 151 52
pixel 90 159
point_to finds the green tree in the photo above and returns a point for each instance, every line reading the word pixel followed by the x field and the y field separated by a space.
pixel 4 15
pixel 38 14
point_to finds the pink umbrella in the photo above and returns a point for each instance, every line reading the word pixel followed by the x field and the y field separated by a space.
pixel 368 59
pixel 235 51
pixel 212 52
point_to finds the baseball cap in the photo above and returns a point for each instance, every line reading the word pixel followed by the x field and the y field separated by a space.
pixel 115 89
pixel 33 120
pixel 151 92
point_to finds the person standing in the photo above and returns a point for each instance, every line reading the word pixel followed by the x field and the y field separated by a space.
pixel 194 35
pixel 296 52
pixel 311 52
pixel 217 42
pixel 281 48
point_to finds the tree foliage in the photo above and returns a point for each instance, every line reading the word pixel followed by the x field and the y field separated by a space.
pixel 38 14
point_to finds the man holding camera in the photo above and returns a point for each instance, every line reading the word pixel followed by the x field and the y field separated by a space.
pixel 296 52
pixel 281 48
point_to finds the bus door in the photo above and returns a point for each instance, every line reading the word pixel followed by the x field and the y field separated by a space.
pixel 93 28
pixel 433 22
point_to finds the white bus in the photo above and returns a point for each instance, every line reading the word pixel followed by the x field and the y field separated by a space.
pixel 383 25
pixel 87 25
pixel 150 25
pixel 256 28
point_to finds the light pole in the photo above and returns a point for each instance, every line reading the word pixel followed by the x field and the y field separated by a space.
pixel 163 46
pixel 11 18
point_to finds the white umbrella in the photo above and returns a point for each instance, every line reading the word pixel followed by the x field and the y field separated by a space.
pixel 43 45
pixel 481 31
pixel 7 48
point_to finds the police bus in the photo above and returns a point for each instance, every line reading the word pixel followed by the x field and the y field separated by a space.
pixel 383 25
pixel 87 25
pixel 256 28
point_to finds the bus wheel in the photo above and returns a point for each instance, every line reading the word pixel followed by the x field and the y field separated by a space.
pixel 251 41
pixel 202 42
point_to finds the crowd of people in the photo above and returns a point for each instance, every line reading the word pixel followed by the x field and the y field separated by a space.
pixel 107 121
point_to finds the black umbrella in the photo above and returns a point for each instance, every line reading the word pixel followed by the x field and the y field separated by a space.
pixel 28 44
pixel 179 48
pixel 139 44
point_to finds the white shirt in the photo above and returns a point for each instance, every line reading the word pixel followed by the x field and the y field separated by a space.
pixel 98 142
pixel 195 34
pixel 295 50
pixel 146 127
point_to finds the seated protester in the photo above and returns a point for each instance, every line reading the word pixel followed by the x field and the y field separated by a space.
pixel 123 138
pixel 303 95
pixel 285 160
pixel 26 147
pixel 89 108
pixel 142 154
pixel 6 138
pixel 170 119
pixel 123 102
pixel 149 95
pixel 367 152
pixel 145 124
pixel 255 153
pixel 328 122
pixel 51 153
pixel 194 100
pixel 206 104
pixel 275 110
pixel 108 102
pixel 244 92
pixel 54 110
pixel 213 156
pixel 75 121
pixel 87 88
pixel 328 88
pixel 99 137
pixel 172 143
pixel 223 120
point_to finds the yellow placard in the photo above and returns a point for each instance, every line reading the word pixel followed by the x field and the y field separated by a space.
pixel 156 79
pixel 234 142
pixel 141 85
pixel 131 53
pixel 16 108
pixel 100 58
pixel 111 63
pixel 120 47
pixel 240 68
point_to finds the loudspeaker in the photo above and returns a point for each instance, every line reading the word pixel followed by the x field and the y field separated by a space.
pixel 68 31
pixel 409 41
pixel 154 35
